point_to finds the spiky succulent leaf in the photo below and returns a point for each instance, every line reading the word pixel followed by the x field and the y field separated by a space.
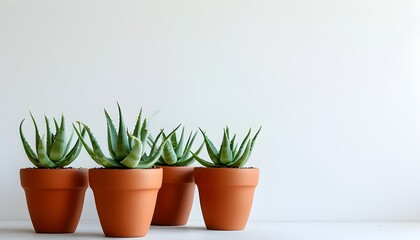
pixel 174 140
pixel 28 150
pixel 187 144
pixel 96 153
pixel 44 160
pixel 72 154
pixel 255 138
pixel 84 143
pixel 179 144
pixel 186 153
pixel 144 133
pixel 203 162
pixel 153 147
pixel 159 162
pixel 232 142
pixel 188 161
pixel 169 155
pixel 244 158
pixel 225 151
pixel 122 149
pixel 232 157
pixel 211 149
pixel 58 147
pixel 242 147
pixel 112 135
pixel 69 143
pixel 227 132
pixel 49 135
pixel 56 125
pixel 137 128
pixel 37 136
pixel 153 158
pixel 234 151
pixel 133 158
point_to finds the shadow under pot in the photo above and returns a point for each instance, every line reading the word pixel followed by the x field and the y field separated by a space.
pixel 175 198
pixel 125 199
pixel 226 196
pixel 54 197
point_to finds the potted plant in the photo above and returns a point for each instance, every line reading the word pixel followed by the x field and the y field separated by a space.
pixel 225 187
pixel 54 193
pixel 175 197
pixel 125 190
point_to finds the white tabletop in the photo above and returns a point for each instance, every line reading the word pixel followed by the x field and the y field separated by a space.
pixel 90 229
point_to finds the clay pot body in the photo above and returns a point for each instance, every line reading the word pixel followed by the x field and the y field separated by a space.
pixel 54 198
pixel 175 198
pixel 125 199
pixel 226 196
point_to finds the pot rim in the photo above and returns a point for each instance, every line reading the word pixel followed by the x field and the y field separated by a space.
pixel 226 176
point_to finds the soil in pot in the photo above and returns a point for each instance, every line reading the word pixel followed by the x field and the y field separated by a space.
pixel 226 196
pixel 54 198
pixel 175 198
pixel 125 199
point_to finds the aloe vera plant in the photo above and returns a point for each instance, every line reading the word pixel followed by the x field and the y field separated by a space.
pixel 174 151
pixel 229 155
pixel 127 150
pixel 57 151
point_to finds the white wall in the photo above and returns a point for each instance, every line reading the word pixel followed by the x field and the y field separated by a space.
pixel 335 85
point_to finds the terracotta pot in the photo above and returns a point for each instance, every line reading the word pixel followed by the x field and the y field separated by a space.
pixel 125 199
pixel 226 196
pixel 175 198
pixel 54 198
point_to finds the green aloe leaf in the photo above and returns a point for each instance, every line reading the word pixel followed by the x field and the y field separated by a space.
pixel 49 135
pixel 203 162
pixel 96 153
pixel 255 138
pixel 37 136
pixel 174 140
pixel 153 147
pixel 211 149
pixel 84 143
pixel 188 161
pixel 59 146
pixel 242 147
pixel 56 125
pixel 73 153
pixel 100 156
pixel 169 155
pixel 28 150
pixel 240 162
pixel 234 151
pixel 69 143
pixel 44 160
pixel 232 142
pixel 225 151
pixel 180 145
pixel 159 162
pixel 153 158
pixel 122 149
pixel 112 135
pixel 144 133
pixel 133 158
pixel 137 129
pixel 188 146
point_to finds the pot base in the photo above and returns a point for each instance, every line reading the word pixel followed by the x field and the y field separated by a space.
pixel 54 198
pixel 226 196
pixel 175 198
pixel 125 199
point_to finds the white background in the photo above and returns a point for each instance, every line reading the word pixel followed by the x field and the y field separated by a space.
pixel 335 85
